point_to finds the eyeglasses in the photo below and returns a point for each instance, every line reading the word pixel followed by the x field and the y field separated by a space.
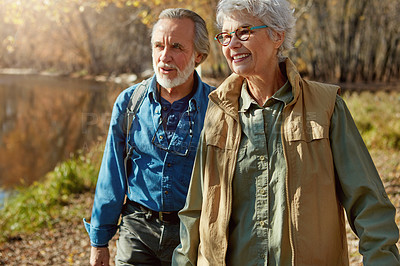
pixel 167 149
pixel 243 34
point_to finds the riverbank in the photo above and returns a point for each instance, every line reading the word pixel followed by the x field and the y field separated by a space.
pixel 123 78
pixel 42 224
pixel 65 243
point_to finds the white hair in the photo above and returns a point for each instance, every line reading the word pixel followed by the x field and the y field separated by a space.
pixel 201 41
pixel 276 14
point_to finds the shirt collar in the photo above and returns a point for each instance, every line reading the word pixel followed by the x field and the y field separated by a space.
pixel 195 94
pixel 284 94
pixel 153 89
pixel 245 99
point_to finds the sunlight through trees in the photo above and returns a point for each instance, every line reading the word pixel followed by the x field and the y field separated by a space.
pixel 338 41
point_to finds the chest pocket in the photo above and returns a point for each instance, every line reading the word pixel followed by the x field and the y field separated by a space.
pixel 216 140
pixel 220 134
pixel 309 129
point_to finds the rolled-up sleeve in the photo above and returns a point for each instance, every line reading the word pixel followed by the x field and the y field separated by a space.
pixel 369 211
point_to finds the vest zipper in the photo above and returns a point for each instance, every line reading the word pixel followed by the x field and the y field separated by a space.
pixel 287 188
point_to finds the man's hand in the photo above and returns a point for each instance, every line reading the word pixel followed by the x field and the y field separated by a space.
pixel 99 256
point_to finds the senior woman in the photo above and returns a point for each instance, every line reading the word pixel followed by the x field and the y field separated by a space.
pixel 278 159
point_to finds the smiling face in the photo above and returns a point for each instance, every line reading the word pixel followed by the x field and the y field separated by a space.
pixel 252 57
pixel 174 57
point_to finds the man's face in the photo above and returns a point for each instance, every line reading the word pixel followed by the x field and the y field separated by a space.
pixel 174 57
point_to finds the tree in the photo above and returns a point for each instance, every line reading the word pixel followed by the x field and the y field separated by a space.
pixel 338 40
pixel 349 40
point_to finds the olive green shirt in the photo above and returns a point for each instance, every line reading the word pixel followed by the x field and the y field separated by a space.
pixel 258 225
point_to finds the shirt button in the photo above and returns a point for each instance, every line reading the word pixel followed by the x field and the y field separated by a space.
pixel 161 137
pixel 165 108
pixel 262 223
pixel 262 191
pixel 166 192
pixel 168 164
pixel 262 158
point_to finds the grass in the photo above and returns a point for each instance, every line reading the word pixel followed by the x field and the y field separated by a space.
pixel 377 117
pixel 41 204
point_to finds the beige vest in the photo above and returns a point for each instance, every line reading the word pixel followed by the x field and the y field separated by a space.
pixel 316 219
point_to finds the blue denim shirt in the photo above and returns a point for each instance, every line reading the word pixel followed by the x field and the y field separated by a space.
pixel 157 179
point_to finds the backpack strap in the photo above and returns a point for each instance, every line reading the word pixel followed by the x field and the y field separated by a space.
pixel 134 103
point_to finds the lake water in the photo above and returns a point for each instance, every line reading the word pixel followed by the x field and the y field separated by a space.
pixel 3 195
pixel 44 119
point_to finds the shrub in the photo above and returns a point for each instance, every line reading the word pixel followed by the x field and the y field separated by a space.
pixel 38 205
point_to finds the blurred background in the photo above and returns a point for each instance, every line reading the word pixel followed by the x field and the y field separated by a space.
pixel 337 40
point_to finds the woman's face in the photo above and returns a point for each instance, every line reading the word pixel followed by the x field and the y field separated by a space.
pixel 254 56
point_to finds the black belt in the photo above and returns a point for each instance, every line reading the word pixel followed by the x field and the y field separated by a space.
pixel 166 217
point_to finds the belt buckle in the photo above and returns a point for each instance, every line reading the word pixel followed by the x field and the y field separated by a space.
pixel 160 216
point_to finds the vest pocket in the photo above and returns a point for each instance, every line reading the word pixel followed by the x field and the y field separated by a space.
pixel 310 131
pixel 218 141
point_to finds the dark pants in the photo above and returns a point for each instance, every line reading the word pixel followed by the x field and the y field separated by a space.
pixel 144 239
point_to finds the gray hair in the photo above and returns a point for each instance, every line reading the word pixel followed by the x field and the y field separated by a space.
pixel 276 14
pixel 201 41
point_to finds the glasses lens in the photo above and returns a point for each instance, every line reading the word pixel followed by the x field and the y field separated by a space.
pixel 224 38
pixel 243 33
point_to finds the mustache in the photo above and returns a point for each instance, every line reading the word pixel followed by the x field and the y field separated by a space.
pixel 161 64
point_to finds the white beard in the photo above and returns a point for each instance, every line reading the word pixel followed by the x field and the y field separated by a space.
pixel 182 76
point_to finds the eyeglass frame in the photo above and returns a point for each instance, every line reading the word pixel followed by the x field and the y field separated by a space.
pixel 236 33
pixel 161 147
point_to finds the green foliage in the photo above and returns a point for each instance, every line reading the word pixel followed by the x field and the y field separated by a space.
pixel 40 205
pixel 377 116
